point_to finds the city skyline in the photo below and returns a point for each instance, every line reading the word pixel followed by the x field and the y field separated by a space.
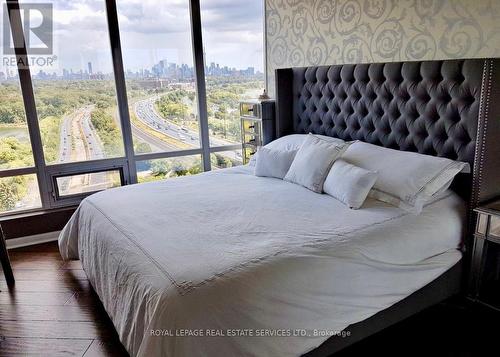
pixel 163 69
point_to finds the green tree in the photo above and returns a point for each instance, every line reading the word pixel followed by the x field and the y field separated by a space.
pixel 108 131
pixel 8 196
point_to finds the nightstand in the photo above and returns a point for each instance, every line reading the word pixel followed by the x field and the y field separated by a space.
pixel 257 125
pixel 484 283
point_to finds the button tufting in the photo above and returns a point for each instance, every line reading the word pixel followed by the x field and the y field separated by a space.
pixel 414 106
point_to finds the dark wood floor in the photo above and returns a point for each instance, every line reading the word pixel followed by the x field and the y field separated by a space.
pixel 53 311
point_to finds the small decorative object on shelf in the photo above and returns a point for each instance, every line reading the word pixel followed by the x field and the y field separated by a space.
pixel 264 95
pixel 257 125
pixel 484 284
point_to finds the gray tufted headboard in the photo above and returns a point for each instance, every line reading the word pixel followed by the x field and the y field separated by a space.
pixel 448 108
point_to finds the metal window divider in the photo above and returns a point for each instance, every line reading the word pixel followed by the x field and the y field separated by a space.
pixel 199 65
pixel 121 89
pixel 28 99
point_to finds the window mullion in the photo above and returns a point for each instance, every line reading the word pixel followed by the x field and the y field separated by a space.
pixel 28 99
pixel 121 89
pixel 199 66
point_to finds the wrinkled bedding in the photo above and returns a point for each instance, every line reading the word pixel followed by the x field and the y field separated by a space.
pixel 225 251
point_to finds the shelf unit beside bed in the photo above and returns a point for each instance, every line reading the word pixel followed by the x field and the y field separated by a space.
pixel 485 269
pixel 257 125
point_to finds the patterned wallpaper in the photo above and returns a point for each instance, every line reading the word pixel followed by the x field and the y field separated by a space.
pixel 316 32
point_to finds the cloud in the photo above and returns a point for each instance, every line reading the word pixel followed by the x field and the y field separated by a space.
pixel 151 30
pixel 227 15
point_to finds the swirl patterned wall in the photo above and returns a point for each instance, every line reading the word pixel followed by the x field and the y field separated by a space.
pixel 316 32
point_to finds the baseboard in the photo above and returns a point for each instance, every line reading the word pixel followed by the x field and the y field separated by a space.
pixel 32 240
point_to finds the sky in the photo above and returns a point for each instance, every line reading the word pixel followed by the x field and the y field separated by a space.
pixel 153 30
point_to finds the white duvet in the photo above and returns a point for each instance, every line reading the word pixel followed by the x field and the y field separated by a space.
pixel 226 263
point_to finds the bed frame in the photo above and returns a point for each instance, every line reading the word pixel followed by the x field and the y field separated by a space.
pixel 448 108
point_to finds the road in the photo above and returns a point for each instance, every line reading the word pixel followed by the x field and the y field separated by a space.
pixel 155 143
pixel 146 112
pixel 80 142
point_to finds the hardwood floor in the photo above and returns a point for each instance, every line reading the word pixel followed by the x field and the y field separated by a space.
pixel 52 310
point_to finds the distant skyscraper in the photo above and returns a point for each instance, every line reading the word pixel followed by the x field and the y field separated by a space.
pixel 90 68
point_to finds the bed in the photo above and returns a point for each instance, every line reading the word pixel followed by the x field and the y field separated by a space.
pixel 227 263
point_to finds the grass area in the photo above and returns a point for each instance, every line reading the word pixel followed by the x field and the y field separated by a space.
pixel 50 129
pixel 13 126
pixel 108 131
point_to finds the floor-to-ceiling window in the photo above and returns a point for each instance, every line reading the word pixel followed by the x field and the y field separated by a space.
pixel 234 68
pixel 75 93
pixel 117 92
pixel 157 55
pixel 233 49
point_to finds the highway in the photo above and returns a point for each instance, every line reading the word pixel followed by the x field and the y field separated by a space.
pixel 80 142
pixel 156 144
pixel 146 112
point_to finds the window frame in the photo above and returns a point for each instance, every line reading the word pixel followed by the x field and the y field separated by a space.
pixel 47 174
pixel 82 168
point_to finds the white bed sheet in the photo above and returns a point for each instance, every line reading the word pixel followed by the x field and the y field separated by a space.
pixel 226 251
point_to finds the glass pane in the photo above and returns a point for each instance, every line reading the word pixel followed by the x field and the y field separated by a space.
pixel 495 226
pixel 158 62
pixel 19 193
pixel 234 58
pixel 159 169
pixel 482 223
pixel 85 183
pixel 73 80
pixel 225 159
pixel 15 146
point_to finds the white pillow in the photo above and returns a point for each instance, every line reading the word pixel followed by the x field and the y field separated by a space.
pixel 273 163
pixel 295 141
pixel 292 142
pixel 313 162
pixel 405 179
pixel 349 184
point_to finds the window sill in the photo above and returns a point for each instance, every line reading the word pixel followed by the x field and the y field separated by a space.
pixel 26 223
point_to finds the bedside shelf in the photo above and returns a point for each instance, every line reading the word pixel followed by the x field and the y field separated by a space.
pixel 484 282
pixel 257 126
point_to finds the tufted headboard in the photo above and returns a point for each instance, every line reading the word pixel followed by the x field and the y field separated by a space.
pixel 448 108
